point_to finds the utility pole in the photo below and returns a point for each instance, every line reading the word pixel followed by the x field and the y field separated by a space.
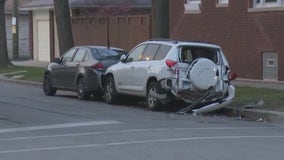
pixel 15 28
pixel 160 18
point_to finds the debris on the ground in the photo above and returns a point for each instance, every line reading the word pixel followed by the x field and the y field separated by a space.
pixel 259 104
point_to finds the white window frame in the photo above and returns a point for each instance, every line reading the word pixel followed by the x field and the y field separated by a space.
pixel 192 6
pixel 223 1
pixel 264 4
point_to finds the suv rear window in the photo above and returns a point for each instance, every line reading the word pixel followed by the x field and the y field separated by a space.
pixel 190 53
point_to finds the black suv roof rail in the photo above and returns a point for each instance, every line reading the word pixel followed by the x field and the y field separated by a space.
pixel 164 39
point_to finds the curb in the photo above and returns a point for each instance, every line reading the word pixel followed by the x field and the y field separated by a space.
pixel 254 114
pixel 15 81
pixel 259 83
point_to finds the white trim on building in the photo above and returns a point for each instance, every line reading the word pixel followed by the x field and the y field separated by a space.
pixel 267 3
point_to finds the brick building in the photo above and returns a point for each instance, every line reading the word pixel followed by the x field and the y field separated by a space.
pixel 250 31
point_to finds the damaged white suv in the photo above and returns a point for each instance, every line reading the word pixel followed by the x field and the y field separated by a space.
pixel 167 70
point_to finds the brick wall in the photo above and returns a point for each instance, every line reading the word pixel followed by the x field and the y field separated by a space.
pixel 244 35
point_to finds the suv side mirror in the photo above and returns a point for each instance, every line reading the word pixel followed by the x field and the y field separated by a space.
pixel 123 58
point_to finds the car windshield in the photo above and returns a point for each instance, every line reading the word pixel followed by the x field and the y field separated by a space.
pixel 103 53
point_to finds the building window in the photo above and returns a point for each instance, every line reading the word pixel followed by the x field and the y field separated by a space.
pixel 223 1
pixel 192 6
pixel 267 3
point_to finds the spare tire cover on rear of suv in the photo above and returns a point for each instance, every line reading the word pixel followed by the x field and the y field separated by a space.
pixel 203 74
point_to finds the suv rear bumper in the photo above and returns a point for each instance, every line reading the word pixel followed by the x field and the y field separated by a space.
pixel 219 105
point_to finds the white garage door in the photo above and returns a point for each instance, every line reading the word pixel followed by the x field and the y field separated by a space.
pixel 43 38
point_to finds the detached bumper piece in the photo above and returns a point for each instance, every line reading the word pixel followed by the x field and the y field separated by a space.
pixel 211 107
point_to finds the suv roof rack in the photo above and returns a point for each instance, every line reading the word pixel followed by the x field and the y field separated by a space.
pixel 197 41
pixel 164 39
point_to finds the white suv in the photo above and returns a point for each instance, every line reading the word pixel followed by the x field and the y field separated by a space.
pixel 166 70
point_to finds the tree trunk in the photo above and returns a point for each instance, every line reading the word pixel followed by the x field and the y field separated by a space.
pixel 160 18
pixel 63 23
pixel 4 59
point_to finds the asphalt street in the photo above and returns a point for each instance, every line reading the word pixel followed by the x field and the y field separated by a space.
pixel 34 126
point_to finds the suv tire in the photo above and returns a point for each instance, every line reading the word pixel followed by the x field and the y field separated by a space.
pixel 110 93
pixel 47 86
pixel 152 102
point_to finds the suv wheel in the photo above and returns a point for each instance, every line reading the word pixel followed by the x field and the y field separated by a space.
pixel 47 86
pixel 152 102
pixel 110 93
pixel 81 89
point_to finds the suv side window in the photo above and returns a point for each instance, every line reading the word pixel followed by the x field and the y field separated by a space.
pixel 150 52
pixel 136 54
pixel 67 57
pixel 162 52
pixel 80 54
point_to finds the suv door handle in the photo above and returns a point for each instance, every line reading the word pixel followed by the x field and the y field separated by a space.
pixel 149 67
pixel 132 67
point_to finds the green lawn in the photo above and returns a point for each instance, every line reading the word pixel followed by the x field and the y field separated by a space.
pixel 273 99
pixel 26 73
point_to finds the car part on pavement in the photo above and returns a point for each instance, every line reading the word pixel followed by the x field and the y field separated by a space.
pixel 217 105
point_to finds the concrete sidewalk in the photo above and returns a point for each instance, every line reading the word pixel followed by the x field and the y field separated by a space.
pixel 30 63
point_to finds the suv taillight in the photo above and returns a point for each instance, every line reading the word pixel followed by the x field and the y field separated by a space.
pixel 98 66
pixel 171 63
pixel 232 76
